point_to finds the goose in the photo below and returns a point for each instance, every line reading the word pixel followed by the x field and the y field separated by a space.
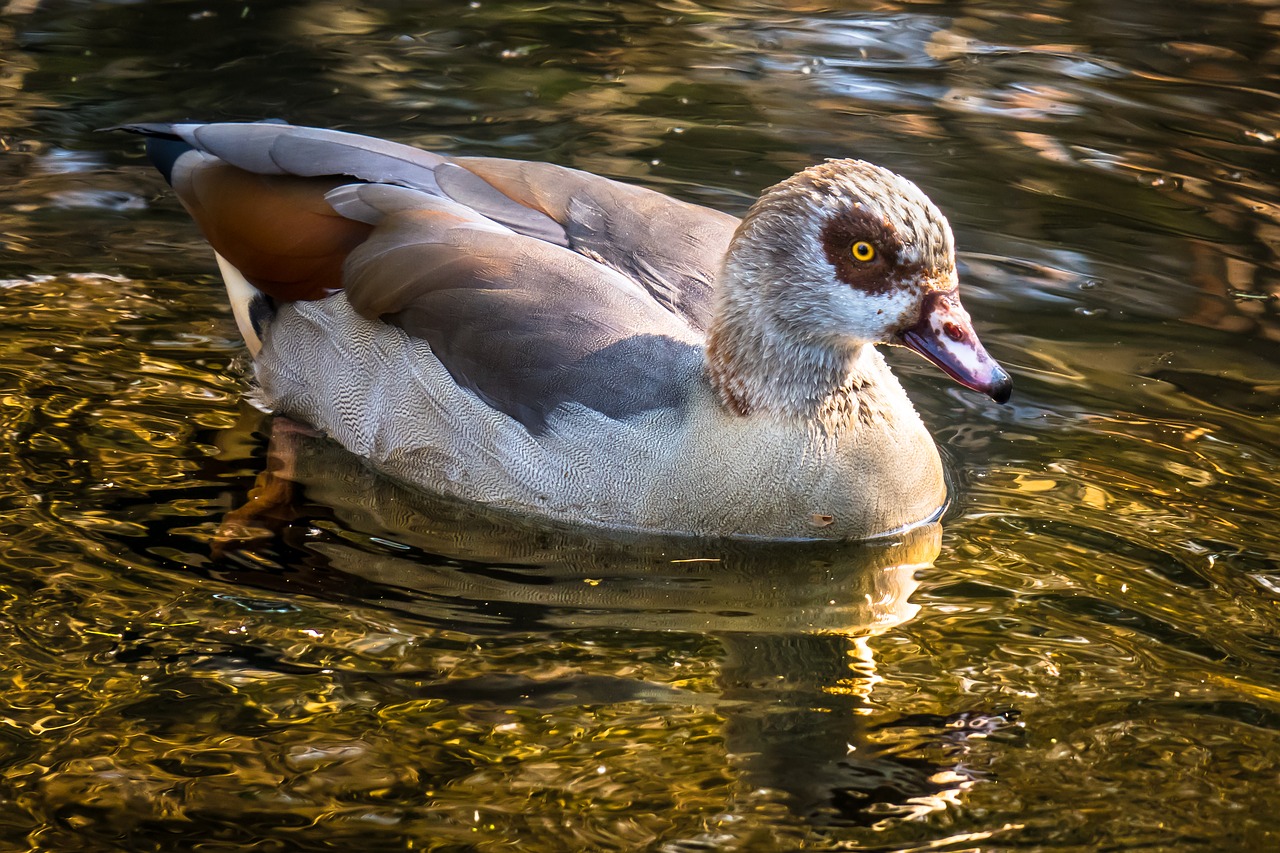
pixel 558 345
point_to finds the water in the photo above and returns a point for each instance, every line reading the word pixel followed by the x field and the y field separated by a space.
pixel 1085 655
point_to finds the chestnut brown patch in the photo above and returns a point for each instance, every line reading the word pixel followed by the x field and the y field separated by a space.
pixel 877 276
pixel 277 230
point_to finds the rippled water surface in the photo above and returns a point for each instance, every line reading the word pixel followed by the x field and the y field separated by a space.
pixel 1085 655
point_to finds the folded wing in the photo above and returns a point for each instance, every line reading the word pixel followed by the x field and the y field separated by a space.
pixel 526 325
pixel 671 248
pixel 536 286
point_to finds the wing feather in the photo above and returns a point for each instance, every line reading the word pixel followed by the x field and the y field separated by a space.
pixel 526 325
pixel 673 248
pixel 537 286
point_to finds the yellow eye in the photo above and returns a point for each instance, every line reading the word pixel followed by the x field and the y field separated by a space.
pixel 862 251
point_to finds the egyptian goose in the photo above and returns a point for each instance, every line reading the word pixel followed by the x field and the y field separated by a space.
pixel 554 343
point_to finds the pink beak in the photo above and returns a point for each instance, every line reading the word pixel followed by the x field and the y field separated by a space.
pixel 944 335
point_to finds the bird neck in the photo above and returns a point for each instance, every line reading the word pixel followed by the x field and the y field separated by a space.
pixel 758 366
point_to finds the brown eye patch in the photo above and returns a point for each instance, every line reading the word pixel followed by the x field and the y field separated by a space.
pixel 843 232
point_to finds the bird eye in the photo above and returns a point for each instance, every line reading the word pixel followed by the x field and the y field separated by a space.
pixel 862 251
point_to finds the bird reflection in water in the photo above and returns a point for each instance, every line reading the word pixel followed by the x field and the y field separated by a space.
pixel 793 621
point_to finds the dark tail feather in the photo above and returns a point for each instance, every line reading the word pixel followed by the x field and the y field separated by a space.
pixel 164 146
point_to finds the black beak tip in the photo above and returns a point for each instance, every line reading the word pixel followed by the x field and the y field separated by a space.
pixel 1002 389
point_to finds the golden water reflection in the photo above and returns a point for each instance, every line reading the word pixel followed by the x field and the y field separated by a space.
pixel 1089 662
pixel 430 670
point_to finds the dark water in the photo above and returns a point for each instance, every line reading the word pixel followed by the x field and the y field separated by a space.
pixel 1086 655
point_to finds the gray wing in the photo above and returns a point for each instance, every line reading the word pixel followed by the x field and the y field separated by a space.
pixel 672 249
pixel 526 325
